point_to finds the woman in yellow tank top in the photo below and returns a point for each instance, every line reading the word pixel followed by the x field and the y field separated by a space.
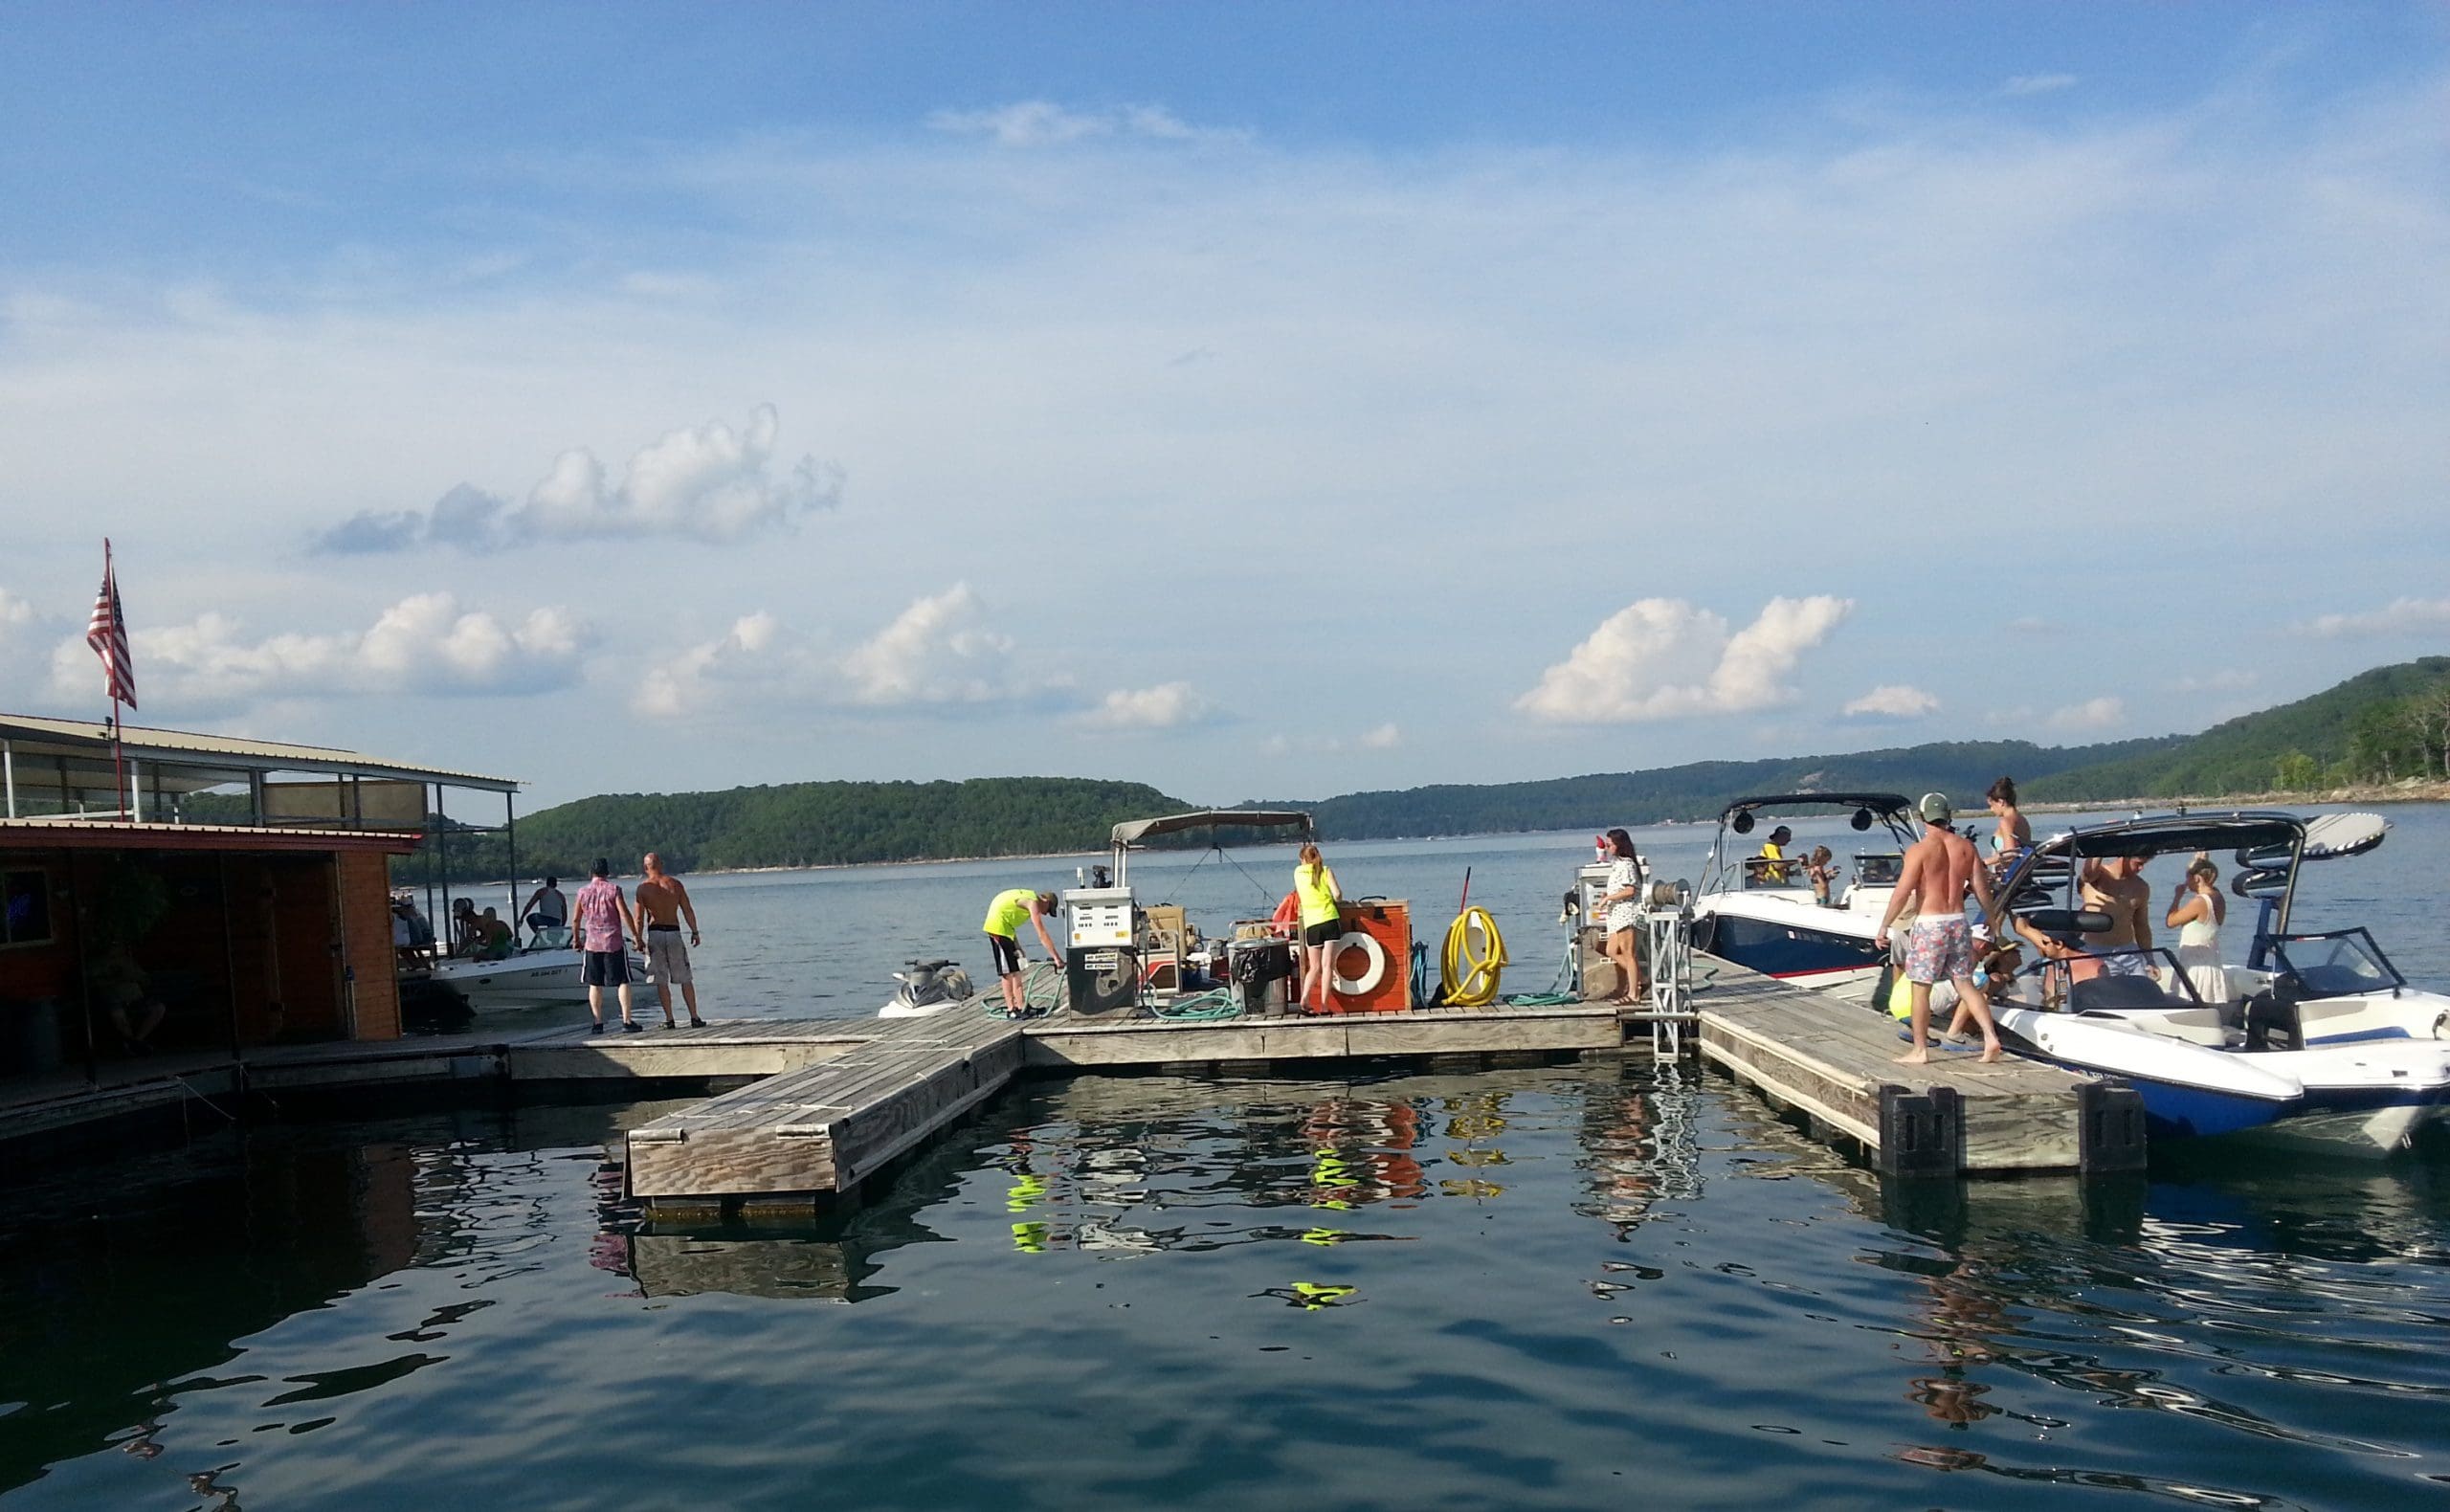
pixel 1322 922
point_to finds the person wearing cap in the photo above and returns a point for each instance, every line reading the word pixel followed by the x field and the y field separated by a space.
pixel 1939 869
pixel 1773 870
pixel 1012 907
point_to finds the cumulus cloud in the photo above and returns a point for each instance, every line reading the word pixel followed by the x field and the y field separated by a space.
pixel 2038 84
pixel 1045 124
pixel 2402 617
pixel 1661 658
pixel 2093 714
pixel 423 644
pixel 1891 701
pixel 1168 705
pixel 703 483
pixel 937 654
pixel 1384 738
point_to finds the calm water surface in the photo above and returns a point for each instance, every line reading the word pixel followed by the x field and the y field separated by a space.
pixel 1570 1288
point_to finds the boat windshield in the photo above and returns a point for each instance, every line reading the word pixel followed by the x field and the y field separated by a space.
pixel 2342 962
pixel 1878 868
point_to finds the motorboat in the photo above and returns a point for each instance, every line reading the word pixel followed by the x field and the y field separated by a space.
pixel 545 970
pixel 2325 1045
pixel 1760 912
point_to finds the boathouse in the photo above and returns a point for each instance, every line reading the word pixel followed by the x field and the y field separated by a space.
pixel 224 895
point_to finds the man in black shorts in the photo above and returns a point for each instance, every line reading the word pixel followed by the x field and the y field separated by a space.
pixel 604 925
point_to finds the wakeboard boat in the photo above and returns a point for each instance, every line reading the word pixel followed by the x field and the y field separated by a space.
pixel 546 971
pixel 2324 1044
pixel 1760 911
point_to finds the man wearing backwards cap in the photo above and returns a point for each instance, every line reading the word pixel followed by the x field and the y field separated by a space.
pixel 1939 869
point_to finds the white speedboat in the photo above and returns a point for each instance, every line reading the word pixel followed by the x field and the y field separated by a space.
pixel 536 974
pixel 2331 1047
pixel 1760 912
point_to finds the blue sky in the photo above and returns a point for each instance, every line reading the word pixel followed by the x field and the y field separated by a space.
pixel 1250 400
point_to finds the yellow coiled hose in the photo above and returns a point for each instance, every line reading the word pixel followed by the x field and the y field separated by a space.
pixel 1465 978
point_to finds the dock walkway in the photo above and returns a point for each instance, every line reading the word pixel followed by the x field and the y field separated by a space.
pixel 1836 1062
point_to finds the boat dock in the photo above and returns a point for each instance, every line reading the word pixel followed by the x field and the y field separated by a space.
pixel 1837 1064
pixel 805 1110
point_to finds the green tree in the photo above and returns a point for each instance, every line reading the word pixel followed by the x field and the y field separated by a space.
pixel 2297 772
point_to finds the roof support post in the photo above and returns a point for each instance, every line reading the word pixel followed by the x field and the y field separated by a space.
pixel 510 842
pixel 136 790
pixel 8 774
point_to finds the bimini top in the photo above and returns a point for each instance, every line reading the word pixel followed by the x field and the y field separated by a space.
pixel 1876 802
pixel 2277 835
pixel 1132 830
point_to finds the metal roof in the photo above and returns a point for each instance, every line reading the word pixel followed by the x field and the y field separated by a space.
pixel 88 833
pixel 34 736
pixel 1133 830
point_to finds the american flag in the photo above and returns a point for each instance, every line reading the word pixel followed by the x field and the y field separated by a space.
pixel 107 634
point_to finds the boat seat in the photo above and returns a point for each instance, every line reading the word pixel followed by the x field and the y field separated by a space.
pixel 2272 1020
pixel 2107 992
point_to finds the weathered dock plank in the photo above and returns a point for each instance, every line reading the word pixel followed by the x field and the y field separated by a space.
pixel 1837 1061
pixel 822 1128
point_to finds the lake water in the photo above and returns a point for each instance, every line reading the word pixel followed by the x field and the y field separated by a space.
pixel 1591 1285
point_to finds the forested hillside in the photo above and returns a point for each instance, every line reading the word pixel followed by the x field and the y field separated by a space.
pixel 2378 727
pixel 809 824
pixel 2383 725
pixel 1700 789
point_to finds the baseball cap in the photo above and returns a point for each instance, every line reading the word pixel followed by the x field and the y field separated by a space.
pixel 1935 809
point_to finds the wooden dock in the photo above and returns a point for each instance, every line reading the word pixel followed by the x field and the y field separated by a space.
pixel 1836 1062
pixel 872 1089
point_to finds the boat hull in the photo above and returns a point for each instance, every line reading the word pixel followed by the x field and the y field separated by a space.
pixel 1835 954
pixel 524 981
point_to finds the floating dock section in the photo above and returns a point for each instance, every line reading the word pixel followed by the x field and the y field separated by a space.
pixel 1836 1062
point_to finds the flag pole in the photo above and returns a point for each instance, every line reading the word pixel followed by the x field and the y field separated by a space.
pixel 118 760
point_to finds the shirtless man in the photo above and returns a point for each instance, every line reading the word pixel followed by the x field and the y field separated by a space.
pixel 662 904
pixel 2117 888
pixel 1940 868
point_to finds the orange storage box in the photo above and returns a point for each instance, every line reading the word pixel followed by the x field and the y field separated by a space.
pixel 1371 980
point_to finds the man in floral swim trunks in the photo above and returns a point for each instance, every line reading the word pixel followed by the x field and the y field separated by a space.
pixel 1939 869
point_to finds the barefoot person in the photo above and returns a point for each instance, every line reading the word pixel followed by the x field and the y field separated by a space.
pixel 1939 869
pixel 662 904
pixel 1004 916
pixel 1322 916
pixel 1621 904
pixel 605 926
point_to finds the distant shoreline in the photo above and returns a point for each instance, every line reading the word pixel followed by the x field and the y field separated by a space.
pixel 2410 790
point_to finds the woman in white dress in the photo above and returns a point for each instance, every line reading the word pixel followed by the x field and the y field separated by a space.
pixel 2196 913
pixel 1622 900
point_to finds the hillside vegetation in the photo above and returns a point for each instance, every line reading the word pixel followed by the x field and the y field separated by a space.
pixel 1700 789
pixel 808 824
pixel 2380 726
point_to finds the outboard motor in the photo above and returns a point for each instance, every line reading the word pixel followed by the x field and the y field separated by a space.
pixel 930 983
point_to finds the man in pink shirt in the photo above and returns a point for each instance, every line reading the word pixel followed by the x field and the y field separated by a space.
pixel 604 927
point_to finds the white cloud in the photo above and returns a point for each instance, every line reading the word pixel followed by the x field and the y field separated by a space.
pixel 423 644
pixel 2228 679
pixel 1168 705
pixel 708 482
pixel 2093 714
pixel 2038 84
pixel 1892 700
pixel 2402 616
pixel 14 610
pixel 936 653
pixel 1043 124
pixel 1662 658
pixel 1384 738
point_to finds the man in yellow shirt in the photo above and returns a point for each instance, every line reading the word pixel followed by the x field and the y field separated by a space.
pixel 1004 918
pixel 1773 870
